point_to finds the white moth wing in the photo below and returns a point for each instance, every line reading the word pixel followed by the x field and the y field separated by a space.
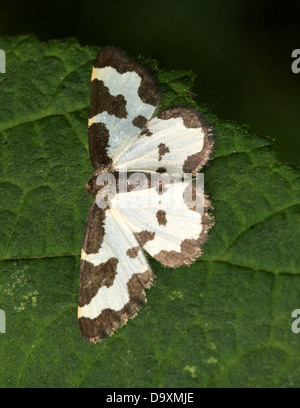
pixel 113 280
pixel 177 141
pixel 121 130
pixel 123 98
pixel 167 224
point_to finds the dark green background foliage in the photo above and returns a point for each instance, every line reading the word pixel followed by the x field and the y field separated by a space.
pixel 240 50
pixel 224 321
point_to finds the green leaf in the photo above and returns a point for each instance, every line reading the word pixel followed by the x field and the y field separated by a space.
pixel 223 322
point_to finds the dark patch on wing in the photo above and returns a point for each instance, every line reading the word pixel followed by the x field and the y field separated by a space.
pixel 139 121
pixel 144 236
pixel 147 93
pixel 103 101
pixel 162 150
pixel 118 59
pixel 189 116
pixel 146 132
pixel 190 251
pixel 92 278
pixel 94 230
pixel 161 217
pixel 95 330
pixel 161 170
pixel 133 252
pixel 98 144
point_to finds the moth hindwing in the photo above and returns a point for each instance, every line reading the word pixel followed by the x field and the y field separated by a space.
pixel 143 201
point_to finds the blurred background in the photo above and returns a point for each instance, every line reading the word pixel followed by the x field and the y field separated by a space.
pixel 240 50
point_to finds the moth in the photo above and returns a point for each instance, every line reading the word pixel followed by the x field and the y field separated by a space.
pixel 137 209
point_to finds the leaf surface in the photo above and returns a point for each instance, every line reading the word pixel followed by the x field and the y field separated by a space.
pixel 223 322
